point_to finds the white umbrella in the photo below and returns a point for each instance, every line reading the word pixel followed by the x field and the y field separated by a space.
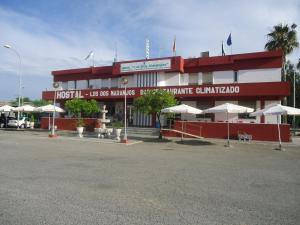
pixel 6 108
pixel 25 108
pixel 50 109
pixel 182 109
pixel 277 110
pixel 228 108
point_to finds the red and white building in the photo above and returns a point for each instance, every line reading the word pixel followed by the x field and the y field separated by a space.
pixel 251 79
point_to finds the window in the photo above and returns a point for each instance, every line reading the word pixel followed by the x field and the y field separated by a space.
pixel 205 105
pixel 71 84
pixel 64 85
pixel 105 83
pixel 193 78
pixel 147 79
pixel 207 78
pixel 96 83
pixel 235 76
pixel 82 84
pixel 249 104
pixel 114 82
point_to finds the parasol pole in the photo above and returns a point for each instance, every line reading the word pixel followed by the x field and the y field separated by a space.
pixel 279 137
pixel 228 145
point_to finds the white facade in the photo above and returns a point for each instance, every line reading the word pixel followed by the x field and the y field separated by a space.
pixel 259 75
pixel 162 79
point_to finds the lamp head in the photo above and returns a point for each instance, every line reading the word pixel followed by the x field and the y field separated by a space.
pixel 124 81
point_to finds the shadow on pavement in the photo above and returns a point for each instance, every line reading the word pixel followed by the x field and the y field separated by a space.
pixel 194 142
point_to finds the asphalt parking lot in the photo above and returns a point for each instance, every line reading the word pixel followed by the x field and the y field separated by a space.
pixel 71 181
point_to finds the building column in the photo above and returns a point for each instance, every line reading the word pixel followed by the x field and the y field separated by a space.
pixel 262 106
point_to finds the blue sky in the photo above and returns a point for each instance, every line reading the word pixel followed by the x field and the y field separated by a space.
pixel 52 35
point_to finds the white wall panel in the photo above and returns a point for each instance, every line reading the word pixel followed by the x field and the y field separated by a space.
pixel 259 75
pixel 223 77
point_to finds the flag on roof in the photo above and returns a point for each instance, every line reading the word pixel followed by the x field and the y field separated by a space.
pixel 91 54
pixel 174 46
pixel 229 41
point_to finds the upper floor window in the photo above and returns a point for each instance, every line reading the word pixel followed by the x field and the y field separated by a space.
pixel 64 85
pixel 114 82
pixel 193 78
pixel 105 83
pixel 82 84
pixel 207 78
pixel 71 84
pixel 95 83
pixel 235 76
pixel 147 79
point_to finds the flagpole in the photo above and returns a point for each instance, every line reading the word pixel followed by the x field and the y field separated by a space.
pixel 231 44
pixel 93 60
pixel 174 46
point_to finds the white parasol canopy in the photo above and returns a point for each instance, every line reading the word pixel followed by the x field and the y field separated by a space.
pixel 228 108
pixel 25 108
pixel 182 109
pixel 6 108
pixel 277 110
pixel 49 109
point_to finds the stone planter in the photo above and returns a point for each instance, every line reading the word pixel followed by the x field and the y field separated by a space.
pixel 118 133
pixel 80 131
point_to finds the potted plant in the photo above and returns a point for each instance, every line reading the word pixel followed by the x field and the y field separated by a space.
pixel 32 122
pixel 80 127
pixel 117 128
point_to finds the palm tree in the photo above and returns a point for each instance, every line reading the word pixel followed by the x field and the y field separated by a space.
pixel 283 37
pixel 298 65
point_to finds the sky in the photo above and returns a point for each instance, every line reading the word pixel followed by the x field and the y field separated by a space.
pixel 59 34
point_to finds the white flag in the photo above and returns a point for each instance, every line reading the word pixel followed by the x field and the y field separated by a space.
pixel 91 54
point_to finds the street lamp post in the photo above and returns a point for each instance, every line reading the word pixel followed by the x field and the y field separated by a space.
pixel 294 98
pixel 20 79
pixel 55 86
pixel 125 82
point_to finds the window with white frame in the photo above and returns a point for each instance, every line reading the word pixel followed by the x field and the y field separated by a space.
pixel 64 85
pixel 71 84
pixel 114 82
pixel 193 78
pixel 82 84
pixel 207 78
pixel 95 83
pixel 105 83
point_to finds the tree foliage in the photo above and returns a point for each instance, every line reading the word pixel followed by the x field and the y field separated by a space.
pixel 153 101
pixel 291 72
pixel 82 108
pixel 282 37
pixel 40 102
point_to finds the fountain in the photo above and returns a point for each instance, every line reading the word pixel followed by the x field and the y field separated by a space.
pixel 103 131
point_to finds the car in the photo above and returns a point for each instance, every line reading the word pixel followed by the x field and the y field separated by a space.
pixel 14 122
